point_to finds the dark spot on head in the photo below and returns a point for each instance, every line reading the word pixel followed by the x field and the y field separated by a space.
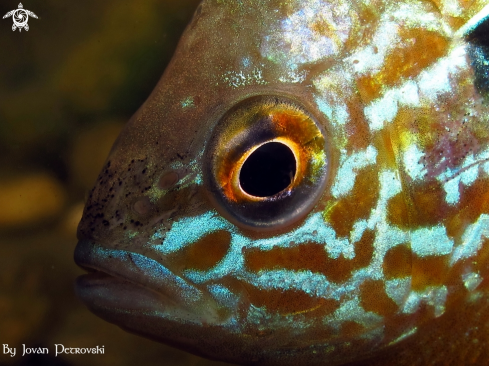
pixel 142 206
pixel 168 180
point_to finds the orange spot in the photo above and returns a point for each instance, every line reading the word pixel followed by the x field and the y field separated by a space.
pixel 368 88
pixel 429 271
pixel 397 262
pixel 311 257
pixel 357 204
pixel 465 4
pixel 424 48
pixel 278 300
pixel 357 130
pixel 373 298
pixel 420 125
pixel 350 329
pixel 290 301
pixel 397 211
pixel 203 254
pixel 474 201
pixel 324 29
pixel 420 48
pixel 386 156
pixel 429 206
pixel 438 4
pixel 368 18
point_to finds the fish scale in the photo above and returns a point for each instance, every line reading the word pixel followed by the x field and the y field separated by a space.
pixel 381 237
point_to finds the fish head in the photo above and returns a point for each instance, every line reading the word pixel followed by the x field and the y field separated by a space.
pixel 306 183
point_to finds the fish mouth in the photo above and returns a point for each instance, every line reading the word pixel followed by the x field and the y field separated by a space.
pixel 123 282
pixel 142 296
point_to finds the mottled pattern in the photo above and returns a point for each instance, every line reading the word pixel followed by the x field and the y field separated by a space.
pixel 397 237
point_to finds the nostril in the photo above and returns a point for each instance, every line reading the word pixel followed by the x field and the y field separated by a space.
pixel 142 206
pixel 168 180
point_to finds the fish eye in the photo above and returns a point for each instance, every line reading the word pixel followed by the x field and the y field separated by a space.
pixel 268 170
pixel 266 163
pixel 477 37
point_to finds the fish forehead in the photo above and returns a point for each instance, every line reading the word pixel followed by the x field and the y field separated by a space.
pixel 392 85
pixel 271 44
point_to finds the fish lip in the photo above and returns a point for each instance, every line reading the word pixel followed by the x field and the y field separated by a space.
pixel 129 266
pixel 149 311
pixel 115 273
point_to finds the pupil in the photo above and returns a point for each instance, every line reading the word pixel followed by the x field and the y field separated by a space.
pixel 268 170
pixel 478 52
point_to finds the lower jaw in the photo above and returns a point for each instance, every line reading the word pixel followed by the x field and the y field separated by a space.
pixel 144 312
pixel 100 290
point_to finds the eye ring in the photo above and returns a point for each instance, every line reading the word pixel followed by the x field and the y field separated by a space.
pixel 243 130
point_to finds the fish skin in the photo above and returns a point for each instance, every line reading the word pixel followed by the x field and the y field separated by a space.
pixel 391 262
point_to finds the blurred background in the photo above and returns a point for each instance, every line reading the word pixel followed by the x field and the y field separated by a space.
pixel 67 86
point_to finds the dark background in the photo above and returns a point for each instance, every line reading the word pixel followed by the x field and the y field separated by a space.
pixel 66 88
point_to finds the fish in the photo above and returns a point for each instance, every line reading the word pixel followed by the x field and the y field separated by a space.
pixel 307 184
